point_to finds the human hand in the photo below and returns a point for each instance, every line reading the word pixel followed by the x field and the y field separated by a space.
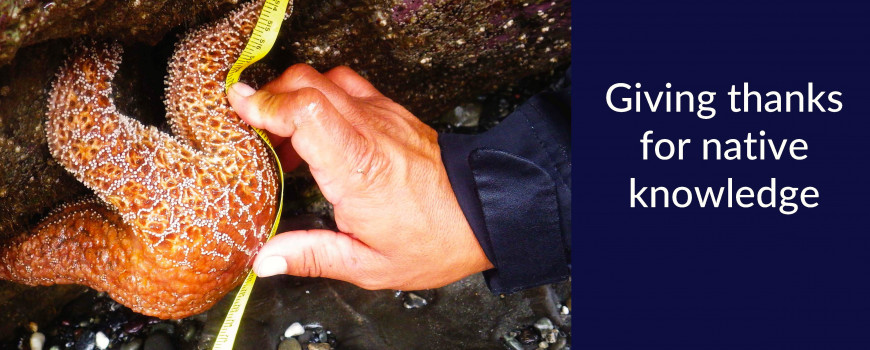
pixel 399 223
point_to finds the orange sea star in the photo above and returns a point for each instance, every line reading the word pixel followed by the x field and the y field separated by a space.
pixel 179 218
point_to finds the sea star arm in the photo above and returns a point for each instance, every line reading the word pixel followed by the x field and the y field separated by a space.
pixel 180 218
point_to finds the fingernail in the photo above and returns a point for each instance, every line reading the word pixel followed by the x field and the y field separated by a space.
pixel 270 266
pixel 242 89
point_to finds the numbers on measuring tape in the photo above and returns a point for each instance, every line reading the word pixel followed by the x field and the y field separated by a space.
pixel 262 37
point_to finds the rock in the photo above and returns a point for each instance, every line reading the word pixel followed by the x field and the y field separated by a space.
pixel 37 340
pixel 101 341
pixel 290 344
pixel 134 344
pixel 564 310
pixel 543 345
pixel 86 340
pixel 295 329
pixel 512 343
pixel 528 335
pixel 159 341
pixel 465 115
pixel 544 324
pixel 414 301
pixel 319 346
pixel 551 336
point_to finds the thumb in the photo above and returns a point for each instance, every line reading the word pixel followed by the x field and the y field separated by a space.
pixel 317 130
pixel 316 253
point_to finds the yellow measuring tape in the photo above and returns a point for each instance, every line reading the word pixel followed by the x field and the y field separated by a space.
pixel 258 45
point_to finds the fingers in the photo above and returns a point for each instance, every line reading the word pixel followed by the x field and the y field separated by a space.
pixel 318 132
pixel 351 82
pixel 318 253
pixel 302 76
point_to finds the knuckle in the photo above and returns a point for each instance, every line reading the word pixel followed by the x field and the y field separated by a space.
pixel 342 70
pixel 299 71
pixel 311 265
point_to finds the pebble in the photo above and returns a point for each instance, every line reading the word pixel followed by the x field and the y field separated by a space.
pixel 37 340
pixel 102 341
pixel 319 346
pixel 543 345
pixel 290 344
pixel 322 337
pixel 528 336
pixel 512 343
pixel 159 341
pixel 467 115
pixel 134 344
pixel 565 310
pixel 544 324
pixel 85 341
pixel 414 301
pixel 551 336
pixel 294 330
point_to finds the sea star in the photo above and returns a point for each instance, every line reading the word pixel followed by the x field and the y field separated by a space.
pixel 178 219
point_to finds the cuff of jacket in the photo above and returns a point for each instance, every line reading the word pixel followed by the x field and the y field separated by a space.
pixel 513 185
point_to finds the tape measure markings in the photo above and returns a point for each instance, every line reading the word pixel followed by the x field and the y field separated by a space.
pixel 262 38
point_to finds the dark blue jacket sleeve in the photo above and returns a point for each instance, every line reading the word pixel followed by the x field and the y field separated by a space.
pixel 513 183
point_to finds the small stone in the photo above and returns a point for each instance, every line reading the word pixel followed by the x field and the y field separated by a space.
pixel 544 324
pixel 159 341
pixel 37 340
pixel 85 341
pixel 290 344
pixel 466 115
pixel 54 347
pixel 414 301
pixel 134 344
pixel 321 336
pixel 306 337
pixel 528 336
pixel 102 341
pixel 134 326
pixel 565 310
pixel 543 345
pixel 319 346
pixel 512 343
pixel 551 336
pixel 294 330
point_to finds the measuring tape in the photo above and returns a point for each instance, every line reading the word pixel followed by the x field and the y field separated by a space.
pixel 262 38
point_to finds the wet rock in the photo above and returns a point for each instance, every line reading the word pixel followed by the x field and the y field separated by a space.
pixel 528 336
pixel 290 344
pixel 464 116
pixel 551 336
pixel 319 346
pixel 37 340
pixel 544 324
pixel 414 301
pixel 101 341
pixel 133 344
pixel 85 340
pixel 159 341
pixel 295 329
pixel 512 343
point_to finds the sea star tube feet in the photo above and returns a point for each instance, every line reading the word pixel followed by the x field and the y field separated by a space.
pixel 178 219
